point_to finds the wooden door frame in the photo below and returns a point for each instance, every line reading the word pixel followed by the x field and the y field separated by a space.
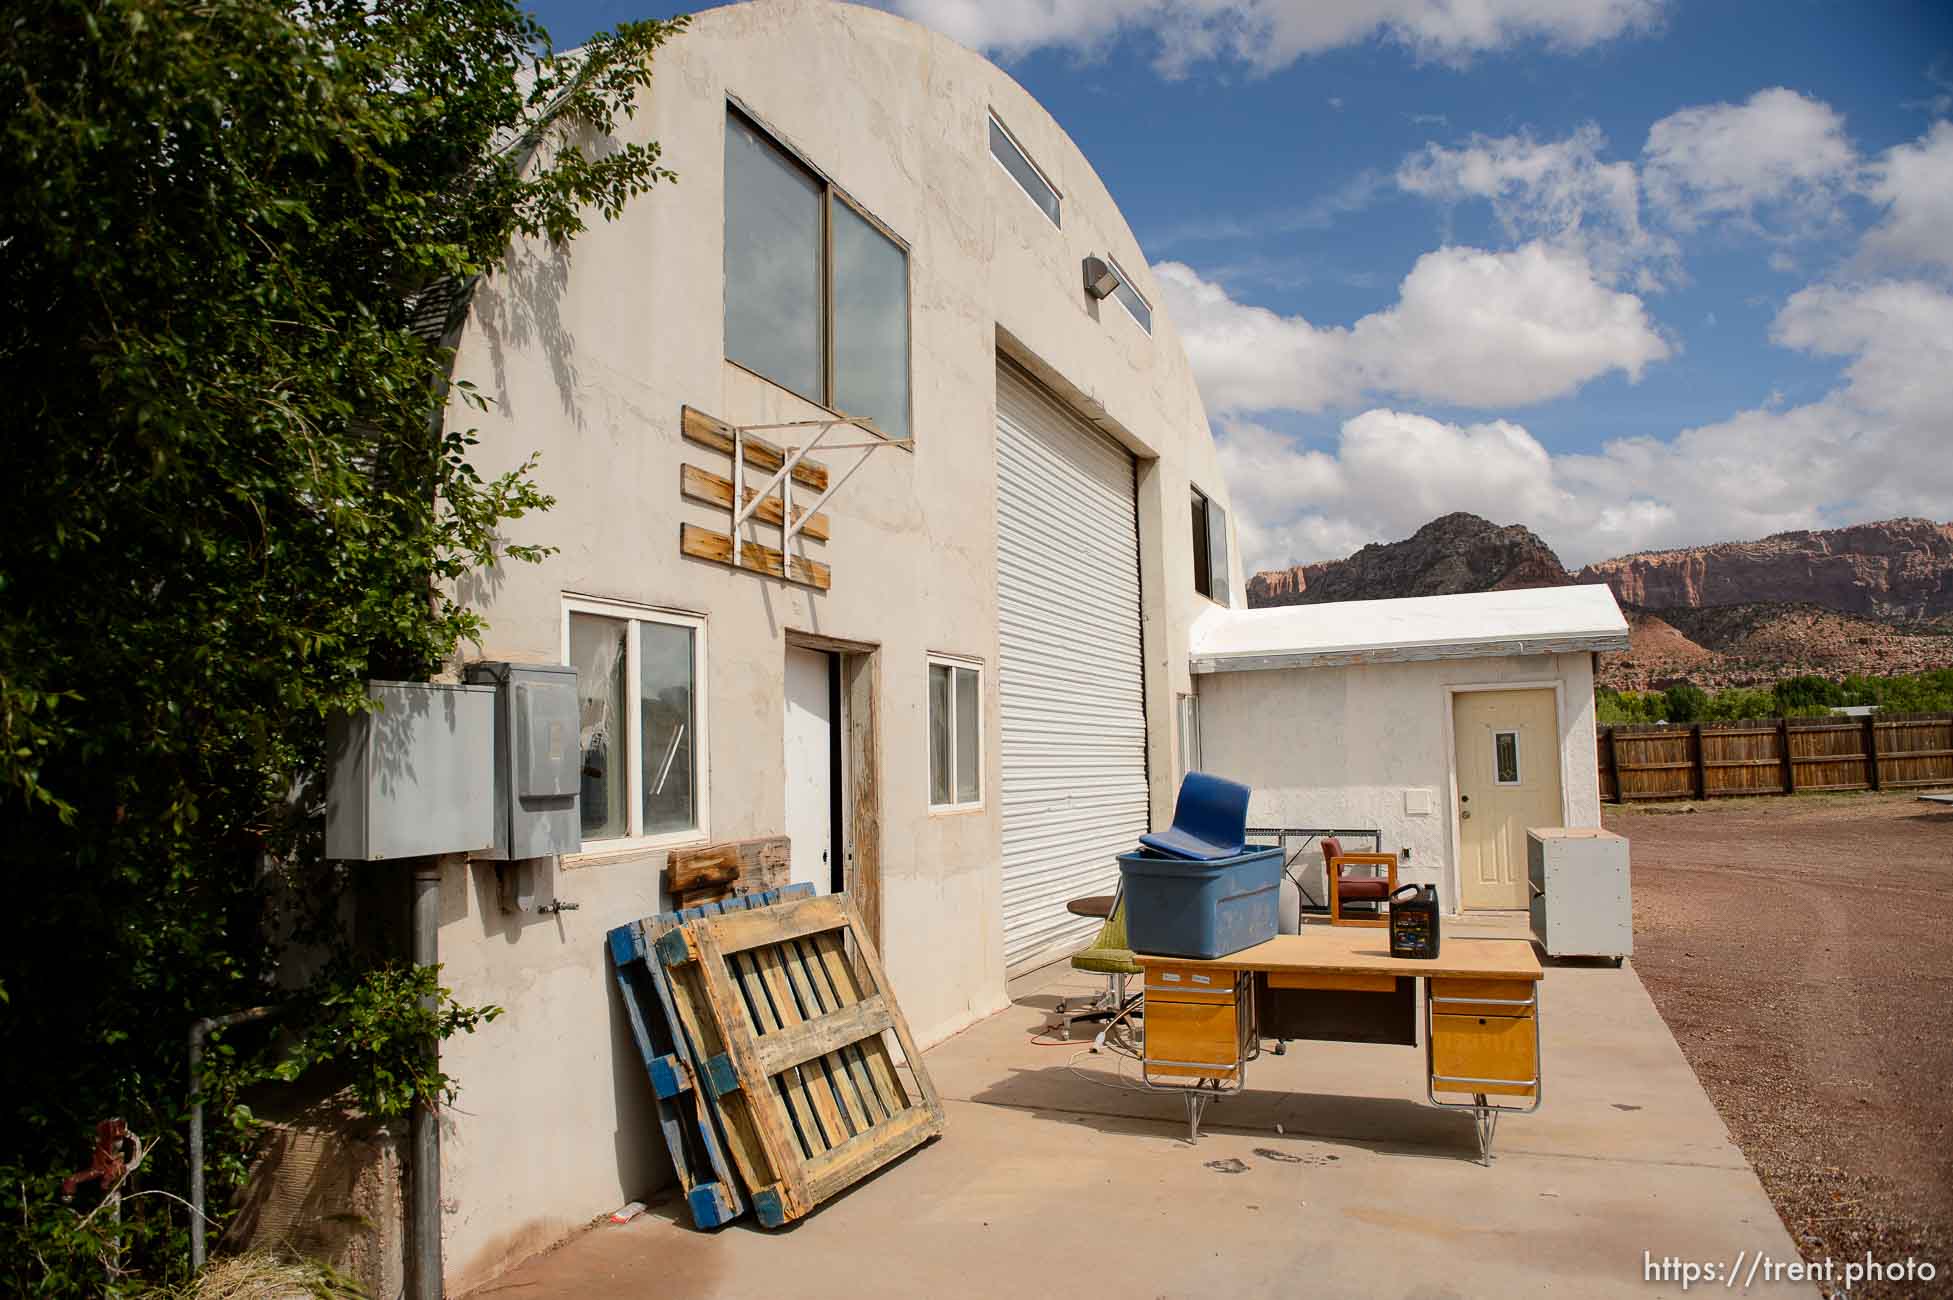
pixel 1455 870
pixel 861 690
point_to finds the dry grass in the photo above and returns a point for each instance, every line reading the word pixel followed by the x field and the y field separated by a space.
pixel 261 1276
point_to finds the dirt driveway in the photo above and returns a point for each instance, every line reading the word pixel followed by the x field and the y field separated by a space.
pixel 1801 949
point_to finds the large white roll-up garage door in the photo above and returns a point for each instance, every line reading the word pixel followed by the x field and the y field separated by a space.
pixel 1069 688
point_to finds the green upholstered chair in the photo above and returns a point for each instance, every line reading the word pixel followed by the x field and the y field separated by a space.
pixel 1109 956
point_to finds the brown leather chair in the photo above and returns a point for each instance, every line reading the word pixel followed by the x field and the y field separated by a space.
pixel 1357 889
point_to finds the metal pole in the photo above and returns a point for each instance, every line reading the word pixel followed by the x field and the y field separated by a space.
pixel 199 1030
pixel 424 1180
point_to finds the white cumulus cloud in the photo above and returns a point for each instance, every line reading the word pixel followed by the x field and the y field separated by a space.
pixel 1778 154
pixel 1561 191
pixel 1915 184
pixel 1469 327
pixel 1267 35
pixel 1875 446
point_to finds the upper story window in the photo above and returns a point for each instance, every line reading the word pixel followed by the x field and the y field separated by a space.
pixel 641 729
pixel 817 290
pixel 1129 298
pixel 1209 548
pixel 1005 149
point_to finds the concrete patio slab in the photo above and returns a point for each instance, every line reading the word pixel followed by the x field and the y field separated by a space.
pixel 1329 1176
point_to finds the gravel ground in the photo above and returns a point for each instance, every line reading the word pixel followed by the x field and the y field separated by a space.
pixel 1801 949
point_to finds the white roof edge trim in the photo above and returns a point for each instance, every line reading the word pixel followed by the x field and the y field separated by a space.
pixel 1332 658
pixel 1532 621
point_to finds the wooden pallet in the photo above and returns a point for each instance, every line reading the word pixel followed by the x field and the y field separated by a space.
pixel 793 1041
pixel 687 1115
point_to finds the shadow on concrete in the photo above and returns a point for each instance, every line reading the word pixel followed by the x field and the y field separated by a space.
pixel 1113 1104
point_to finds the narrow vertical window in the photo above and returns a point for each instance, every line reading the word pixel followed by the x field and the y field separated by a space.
pixel 955 735
pixel 1189 734
pixel 1505 755
pixel 599 651
pixel 871 323
pixel 1210 548
pixel 776 320
pixel 1203 573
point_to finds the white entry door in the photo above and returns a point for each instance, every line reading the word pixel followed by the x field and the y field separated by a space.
pixel 1508 780
pixel 810 766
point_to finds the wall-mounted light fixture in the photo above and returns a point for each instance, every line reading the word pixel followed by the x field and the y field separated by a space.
pixel 1100 279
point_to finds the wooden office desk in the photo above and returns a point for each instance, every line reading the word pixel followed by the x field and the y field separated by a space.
pixel 1481 1014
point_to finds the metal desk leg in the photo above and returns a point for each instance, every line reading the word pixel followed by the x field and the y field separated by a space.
pixel 1486 1118
pixel 1196 1106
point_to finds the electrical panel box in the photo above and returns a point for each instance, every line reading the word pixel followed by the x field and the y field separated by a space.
pixel 413 778
pixel 538 759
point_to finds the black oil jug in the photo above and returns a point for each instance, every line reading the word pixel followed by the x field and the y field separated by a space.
pixel 1414 921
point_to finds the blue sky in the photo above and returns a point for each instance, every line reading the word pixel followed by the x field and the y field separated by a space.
pixel 1633 273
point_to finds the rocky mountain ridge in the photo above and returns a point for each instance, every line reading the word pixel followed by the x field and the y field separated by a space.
pixel 1453 553
pixel 1873 598
pixel 1894 569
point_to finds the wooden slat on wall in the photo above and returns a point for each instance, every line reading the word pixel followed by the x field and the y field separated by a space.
pixel 704 544
pixel 1783 756
pixel 710 488
pixel 708 431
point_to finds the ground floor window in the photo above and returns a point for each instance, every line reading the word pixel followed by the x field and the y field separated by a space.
pixel 641 720
pixel 955 734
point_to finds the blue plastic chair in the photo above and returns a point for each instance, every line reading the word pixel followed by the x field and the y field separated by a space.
pixel 1210 820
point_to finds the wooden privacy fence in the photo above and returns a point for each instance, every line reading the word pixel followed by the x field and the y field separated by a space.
pixel 1782 756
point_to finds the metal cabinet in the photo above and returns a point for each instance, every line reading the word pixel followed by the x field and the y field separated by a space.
pixel 1581 902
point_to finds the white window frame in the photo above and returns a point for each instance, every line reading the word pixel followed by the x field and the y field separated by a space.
pixel 1518 770
pixel 982 754
pixel 1057 194
pixel 1189 710
pixel 634 615
pixel 1132 288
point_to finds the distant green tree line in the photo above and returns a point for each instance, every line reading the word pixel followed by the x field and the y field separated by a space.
pixel 1794 697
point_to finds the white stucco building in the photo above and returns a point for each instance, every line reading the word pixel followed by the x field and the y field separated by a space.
pixel 1448 724
pixel 975 710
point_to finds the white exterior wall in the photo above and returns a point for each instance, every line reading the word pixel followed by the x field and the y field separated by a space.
pixel 589 353
pixel 1341 747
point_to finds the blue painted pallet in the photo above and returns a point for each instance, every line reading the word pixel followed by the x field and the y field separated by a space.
pixel 687 1114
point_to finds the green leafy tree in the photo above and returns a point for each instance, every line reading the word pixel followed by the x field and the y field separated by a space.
pixel 229 500
pixel 1684 702
pixel 1806 696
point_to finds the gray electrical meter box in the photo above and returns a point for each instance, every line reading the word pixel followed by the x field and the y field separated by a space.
pixel 413 778
pixel 538 759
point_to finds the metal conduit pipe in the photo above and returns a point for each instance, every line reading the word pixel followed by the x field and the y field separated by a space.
pixel 199 1031
pixel 424 1136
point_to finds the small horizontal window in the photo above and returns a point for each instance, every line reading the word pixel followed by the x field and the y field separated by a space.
pixel 1004 148
pixel 1129 298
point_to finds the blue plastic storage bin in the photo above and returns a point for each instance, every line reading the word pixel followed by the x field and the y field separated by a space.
pixel 1180 908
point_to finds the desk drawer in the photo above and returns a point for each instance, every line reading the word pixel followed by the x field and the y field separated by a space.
pixel 1504 998
pixel 1489 1054
pixel 1300 979
pixel 1195 1039
pixel 1191 984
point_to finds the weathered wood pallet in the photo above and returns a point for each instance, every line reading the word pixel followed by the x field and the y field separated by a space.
pixel 792 1033
pixel 687 1115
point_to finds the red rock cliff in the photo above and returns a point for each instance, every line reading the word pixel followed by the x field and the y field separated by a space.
pixel 1900 568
